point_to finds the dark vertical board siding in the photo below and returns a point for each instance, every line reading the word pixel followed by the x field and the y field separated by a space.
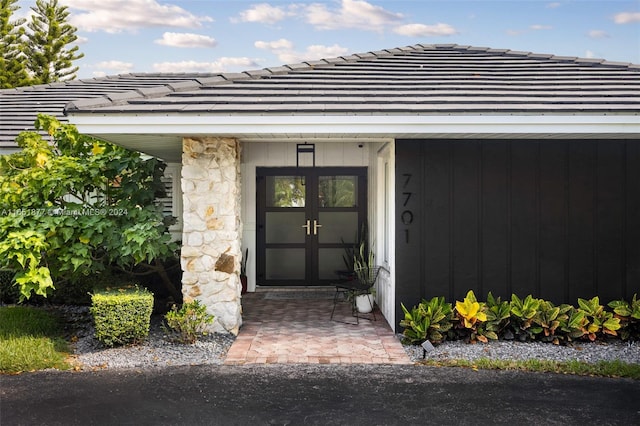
pixel 465 218
pixel 437 212
pixel 632 261
pixel 553 221
pixel 611 216
pixel 495 219
pixel 410 266
pixel 524 217
pixel 582 219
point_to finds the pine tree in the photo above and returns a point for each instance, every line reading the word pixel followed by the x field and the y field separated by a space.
pixel 49 59
pixel 13 72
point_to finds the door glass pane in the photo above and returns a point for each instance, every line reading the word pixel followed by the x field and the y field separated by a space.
pixel 337 227
pixel 285 227
pixel 285 191
pixel 331 260
pixel 285 264
pixel 337 191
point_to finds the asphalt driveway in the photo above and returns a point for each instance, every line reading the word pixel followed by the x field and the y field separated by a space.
pixel 320 394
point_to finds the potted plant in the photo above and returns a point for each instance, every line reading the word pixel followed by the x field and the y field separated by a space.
pixel 243 271
pixel 365 272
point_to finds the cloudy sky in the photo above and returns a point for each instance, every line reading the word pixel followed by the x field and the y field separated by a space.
pixel 120 36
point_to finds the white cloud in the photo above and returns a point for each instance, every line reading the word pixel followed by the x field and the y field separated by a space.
pixel 263 13
pixel 421 30
pixel 286 53
pixel 626 17
pixel 535 27
pixel 553 5
pixel 113 67
pixel 114 16
pixel 282 44
pixel 598 34
pixel 589 54
pixel 351 14
pixel 186 40
pixel 319 51
pixel 220 65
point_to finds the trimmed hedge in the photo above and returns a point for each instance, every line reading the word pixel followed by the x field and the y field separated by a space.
pixel 122 316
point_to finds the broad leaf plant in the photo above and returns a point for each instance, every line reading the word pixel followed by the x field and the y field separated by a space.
pixel 71 204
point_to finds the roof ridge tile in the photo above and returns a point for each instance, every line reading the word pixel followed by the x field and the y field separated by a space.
pixel 95 102
pixel 210 81
pixel 155 91
pixel 617 63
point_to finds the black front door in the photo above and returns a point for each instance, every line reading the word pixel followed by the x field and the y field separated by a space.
pixel 306 217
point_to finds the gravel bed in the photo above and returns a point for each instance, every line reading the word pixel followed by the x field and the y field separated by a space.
pixel 155 352
pixel 590 352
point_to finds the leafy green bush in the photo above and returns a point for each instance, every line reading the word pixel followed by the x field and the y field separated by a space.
pixel 572 324
pixel 601 322
pixel 523 312
pixel 189 321
pixel 549 318
pixel 629 316
pixel 498 317
pixel 430 320
pixel 122 316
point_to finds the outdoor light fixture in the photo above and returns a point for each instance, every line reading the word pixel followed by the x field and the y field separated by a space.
pixel 305 148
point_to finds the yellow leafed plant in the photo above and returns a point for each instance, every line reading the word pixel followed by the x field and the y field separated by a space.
pixel 471 314
pixel 470 311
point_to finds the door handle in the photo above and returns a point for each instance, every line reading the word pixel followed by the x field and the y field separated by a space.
pixel 308 226
pixel 316 225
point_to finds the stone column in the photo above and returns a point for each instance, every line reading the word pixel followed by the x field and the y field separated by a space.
pixel 212 228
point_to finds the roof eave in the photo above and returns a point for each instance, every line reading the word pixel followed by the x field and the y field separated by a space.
pixel 366 125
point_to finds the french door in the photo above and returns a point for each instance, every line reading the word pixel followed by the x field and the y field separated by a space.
pixel 306 217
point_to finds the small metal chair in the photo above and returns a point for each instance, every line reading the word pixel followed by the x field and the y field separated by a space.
pixel 356 283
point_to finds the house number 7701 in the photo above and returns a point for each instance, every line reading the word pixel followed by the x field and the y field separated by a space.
pixel 407 215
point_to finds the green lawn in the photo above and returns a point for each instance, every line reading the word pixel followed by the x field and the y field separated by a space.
pixel 31 339
pixel 602 368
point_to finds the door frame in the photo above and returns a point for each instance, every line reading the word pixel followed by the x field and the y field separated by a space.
pixel 312 246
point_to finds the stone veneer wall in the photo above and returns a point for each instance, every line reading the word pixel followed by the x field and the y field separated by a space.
pixel 212 229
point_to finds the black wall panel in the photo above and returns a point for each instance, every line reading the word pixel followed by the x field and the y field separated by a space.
pixel 582 219
pixel 495 244
pixel 555 219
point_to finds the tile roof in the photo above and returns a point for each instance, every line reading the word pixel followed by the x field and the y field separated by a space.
pixel 413 80
pixel 20 106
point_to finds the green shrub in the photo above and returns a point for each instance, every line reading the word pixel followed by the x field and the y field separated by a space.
pixel 430 320
pixel 573 326
pixel 498 317
pixel 188 322
pixel 629 316
pixel 601 322
pixel 523 312
pixel 122 316
pixel 549 319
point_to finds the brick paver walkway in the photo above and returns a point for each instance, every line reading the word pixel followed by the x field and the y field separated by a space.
pixel 300 331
